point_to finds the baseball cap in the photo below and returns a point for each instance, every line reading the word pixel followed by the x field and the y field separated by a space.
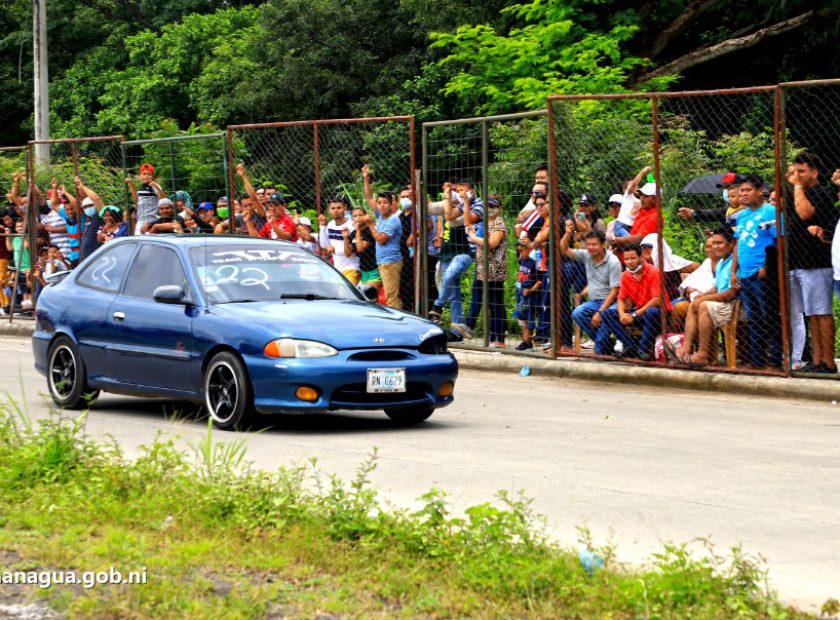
pixel 147 168
pixel 279 199
pixel 648 189
pixel 588 199
pixel 87 201
pixel 730 178
pixel 164 201
pixel 305 221
pixel 205 206
pixel 616 198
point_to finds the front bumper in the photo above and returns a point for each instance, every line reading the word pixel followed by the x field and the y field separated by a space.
pixel 341 381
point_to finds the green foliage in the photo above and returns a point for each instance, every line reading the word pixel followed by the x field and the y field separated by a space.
pixel 554 50
pixel 270 540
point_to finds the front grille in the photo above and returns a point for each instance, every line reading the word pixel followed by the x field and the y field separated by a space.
pixel 383 355
pixel 357 394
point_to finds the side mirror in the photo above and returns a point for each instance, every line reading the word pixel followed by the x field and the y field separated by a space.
pixel 170 294
pixel 370 292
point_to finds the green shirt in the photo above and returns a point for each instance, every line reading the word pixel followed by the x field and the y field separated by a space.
pixel 17 246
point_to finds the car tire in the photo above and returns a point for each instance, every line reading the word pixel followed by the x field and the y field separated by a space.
pixel 227 392
pixel 67 376
pixel 410 416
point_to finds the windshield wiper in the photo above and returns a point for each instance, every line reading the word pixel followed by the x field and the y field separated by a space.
pixel 307 296
pixel 240 301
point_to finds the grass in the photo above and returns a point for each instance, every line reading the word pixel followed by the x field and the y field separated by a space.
pixel 219 539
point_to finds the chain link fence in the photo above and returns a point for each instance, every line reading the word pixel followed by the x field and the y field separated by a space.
pixel 190 169
pixel 680 172
pixel 317 163
pixel 487 279
pixel 809 161
pixel 16 233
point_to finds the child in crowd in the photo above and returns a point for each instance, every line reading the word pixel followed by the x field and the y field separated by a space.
pixel 305 238
pixel 360 242
pixel 527 294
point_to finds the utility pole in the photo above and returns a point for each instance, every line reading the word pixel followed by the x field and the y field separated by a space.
pixel 42 96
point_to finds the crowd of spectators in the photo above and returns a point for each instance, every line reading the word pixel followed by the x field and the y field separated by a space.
pixel 620 284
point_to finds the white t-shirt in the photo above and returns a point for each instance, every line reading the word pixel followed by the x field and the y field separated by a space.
pixel 331 236
pixel 59 240
pixel 835 253
pixel 629 208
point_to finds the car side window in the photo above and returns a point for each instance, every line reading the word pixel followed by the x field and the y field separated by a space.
pixel 108 270
pixel 154 266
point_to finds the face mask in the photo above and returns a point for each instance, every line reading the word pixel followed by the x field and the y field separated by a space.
pixel 90 211
pixel 726 195
pixel 637 269
pixel 470 194
pixel 493 212
pixel 406 203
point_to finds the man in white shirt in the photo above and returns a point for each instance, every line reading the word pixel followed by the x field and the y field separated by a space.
pixel 331 237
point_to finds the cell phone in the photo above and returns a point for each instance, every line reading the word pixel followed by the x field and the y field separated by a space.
pixel 580 216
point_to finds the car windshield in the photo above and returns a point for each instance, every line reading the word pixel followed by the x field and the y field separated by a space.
pixel 253 272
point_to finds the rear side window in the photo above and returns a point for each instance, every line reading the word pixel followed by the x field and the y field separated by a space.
pixel 108 270
pixel 154 266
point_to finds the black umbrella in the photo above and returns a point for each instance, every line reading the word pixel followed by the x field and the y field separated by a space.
pixel 703 185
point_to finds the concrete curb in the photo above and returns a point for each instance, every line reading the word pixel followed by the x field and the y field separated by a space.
pixel 22 328
pixel 825 390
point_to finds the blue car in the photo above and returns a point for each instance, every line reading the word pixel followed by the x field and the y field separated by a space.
pixel 240 324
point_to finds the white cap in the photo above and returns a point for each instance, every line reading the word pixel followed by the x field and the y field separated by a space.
pixel 305 221
pixel 649 189
pixel 164 201
pixel 87 201
pixel 616 198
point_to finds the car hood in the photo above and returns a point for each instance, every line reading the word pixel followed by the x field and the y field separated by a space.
pixel 341 324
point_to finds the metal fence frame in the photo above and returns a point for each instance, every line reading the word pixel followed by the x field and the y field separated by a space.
pixel 172 140
pixel 655 98
pixel 485 122
pixel 316 147
pixel 29 221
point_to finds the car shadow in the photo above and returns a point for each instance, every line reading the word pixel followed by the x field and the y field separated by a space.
pixel 285 424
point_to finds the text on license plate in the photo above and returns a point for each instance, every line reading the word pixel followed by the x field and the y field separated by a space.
pixel 385 380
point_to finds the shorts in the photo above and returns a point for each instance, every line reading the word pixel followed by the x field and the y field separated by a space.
pixel 720 312
pixel 371 276
pixel 812 291
pixel 352 274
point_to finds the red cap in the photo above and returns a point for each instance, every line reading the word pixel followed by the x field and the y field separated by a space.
pixel 147 168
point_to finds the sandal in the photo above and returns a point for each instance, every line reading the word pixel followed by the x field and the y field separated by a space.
pixel 670 352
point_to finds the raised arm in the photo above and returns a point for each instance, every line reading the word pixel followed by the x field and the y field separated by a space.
pixel 369 189
pixel 634 184
pixel 565 250
pixel 249 188
pixel 131 187
pixel 83 189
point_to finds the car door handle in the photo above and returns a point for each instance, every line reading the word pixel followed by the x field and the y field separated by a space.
pixel 119 316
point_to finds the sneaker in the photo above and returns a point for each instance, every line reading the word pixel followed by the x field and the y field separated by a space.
pixel 436 312
pixel 26 304
pixel 524 346
pixel 497 345
pixel 587 344
pixel 807 367
pixel 825 370
pixel 798 366
pixel 462 329
pixel 546 346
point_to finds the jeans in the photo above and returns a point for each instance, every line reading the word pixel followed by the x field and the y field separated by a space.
pixel 763 326
pixel 543 330
pixel 450 286
pixel 526 308
pixel 496 299
pixel 583 314
pixel 649 322
pixel 574 278
pixel 476 299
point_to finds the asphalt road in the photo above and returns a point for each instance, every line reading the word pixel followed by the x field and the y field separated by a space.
pixel 638 466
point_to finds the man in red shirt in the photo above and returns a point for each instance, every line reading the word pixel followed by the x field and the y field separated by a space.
pixel 647 220
pixel 639 305
pixel 280 224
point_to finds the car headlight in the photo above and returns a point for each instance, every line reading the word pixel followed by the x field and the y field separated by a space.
pixel 291 347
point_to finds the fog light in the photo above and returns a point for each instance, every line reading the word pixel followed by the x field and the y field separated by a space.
pixel 308 394
pixel 446 389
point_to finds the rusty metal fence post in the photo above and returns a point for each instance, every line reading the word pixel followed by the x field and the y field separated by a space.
pixel 14 161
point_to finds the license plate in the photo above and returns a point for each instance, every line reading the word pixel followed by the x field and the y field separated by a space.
pixel 385 380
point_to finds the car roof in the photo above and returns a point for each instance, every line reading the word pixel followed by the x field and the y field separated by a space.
pixel 191 241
